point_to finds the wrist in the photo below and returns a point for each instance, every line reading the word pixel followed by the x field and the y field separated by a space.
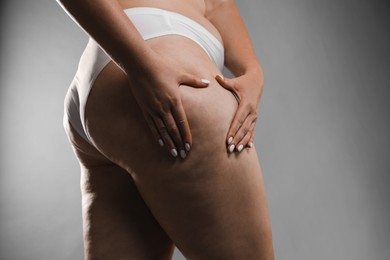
pixel 257 72
pixel 139 62
pixel 253 68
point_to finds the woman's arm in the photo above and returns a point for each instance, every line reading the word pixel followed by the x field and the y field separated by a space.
pixel 155 81
pixel 239 54
pixel 241 60
pixel 109 26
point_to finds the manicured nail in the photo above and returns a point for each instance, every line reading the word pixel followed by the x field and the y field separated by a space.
pixel 220 76
pixel 205 81
pixel 183 154
pixel 231 148
pixel 251 144
pixel 187 145
pixel 161 142
pixel 230 140
pixel 240 147
pixel 174 152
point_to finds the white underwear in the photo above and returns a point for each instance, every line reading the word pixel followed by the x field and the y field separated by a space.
pixel 150 22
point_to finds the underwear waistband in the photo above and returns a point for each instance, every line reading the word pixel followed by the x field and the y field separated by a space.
pixel 154 22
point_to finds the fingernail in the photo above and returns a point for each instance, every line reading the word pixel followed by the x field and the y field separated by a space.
pixel 251 144
pixel 187 145
pixel 160 141
pixel 205 81
pixel 240 147
pixel 183 154
pixel 230 140
pixel 231 148
pixel 220 76
pixel 174 152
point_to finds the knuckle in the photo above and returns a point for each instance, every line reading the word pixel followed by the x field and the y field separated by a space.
pixel 155 112
pixel 243 135
pixel 254 112
pixel 164 105
pixel 181 122
pixel 239 136
pixel 255 115
pixel 162 129
pixel 250 107
pixel 158 105
pixel 172 128
pixel 176 101
pixel 240 121
pixel 245 129
pixel 253 124
pixel 154 130
pixel 160 112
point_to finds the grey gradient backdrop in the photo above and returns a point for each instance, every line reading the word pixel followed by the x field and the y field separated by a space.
pixel 322 136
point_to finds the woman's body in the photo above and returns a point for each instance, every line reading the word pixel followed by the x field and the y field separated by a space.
pixel 137 199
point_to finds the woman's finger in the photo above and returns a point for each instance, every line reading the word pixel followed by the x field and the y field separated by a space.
pixel 153 128
pixel 244 141
pixel 181 120
pixel 252 137
pixel 238 120
pixel 193 81
pixel 174 133
pixel 241 133
pixel 163 130
pixel 228 84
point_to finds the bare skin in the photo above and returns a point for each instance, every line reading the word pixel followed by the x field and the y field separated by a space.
pixel 138 200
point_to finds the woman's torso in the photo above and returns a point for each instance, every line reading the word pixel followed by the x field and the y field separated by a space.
pixel 193 9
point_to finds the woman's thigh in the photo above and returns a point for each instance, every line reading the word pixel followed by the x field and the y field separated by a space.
pixel 212 204
pixel 116 222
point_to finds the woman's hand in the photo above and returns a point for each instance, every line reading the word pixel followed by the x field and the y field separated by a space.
pixel 156 89
pixel 248 88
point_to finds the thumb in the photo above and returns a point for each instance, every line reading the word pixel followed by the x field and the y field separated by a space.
pixel 194 81
pixel 225 82
pixel 229 85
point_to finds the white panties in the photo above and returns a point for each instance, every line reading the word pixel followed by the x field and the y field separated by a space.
pixel 150 22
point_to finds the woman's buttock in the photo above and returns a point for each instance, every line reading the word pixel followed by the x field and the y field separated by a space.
pixel 118 128
pixel 211 191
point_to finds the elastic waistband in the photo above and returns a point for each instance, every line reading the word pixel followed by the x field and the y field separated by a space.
pixel 171 14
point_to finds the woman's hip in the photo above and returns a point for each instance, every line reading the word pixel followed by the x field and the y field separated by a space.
pixel 116 124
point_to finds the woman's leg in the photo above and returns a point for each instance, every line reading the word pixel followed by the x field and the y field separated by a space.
pixel 117 224
pixel 212 204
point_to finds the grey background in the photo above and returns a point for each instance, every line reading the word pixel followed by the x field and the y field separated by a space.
pixel 322 136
